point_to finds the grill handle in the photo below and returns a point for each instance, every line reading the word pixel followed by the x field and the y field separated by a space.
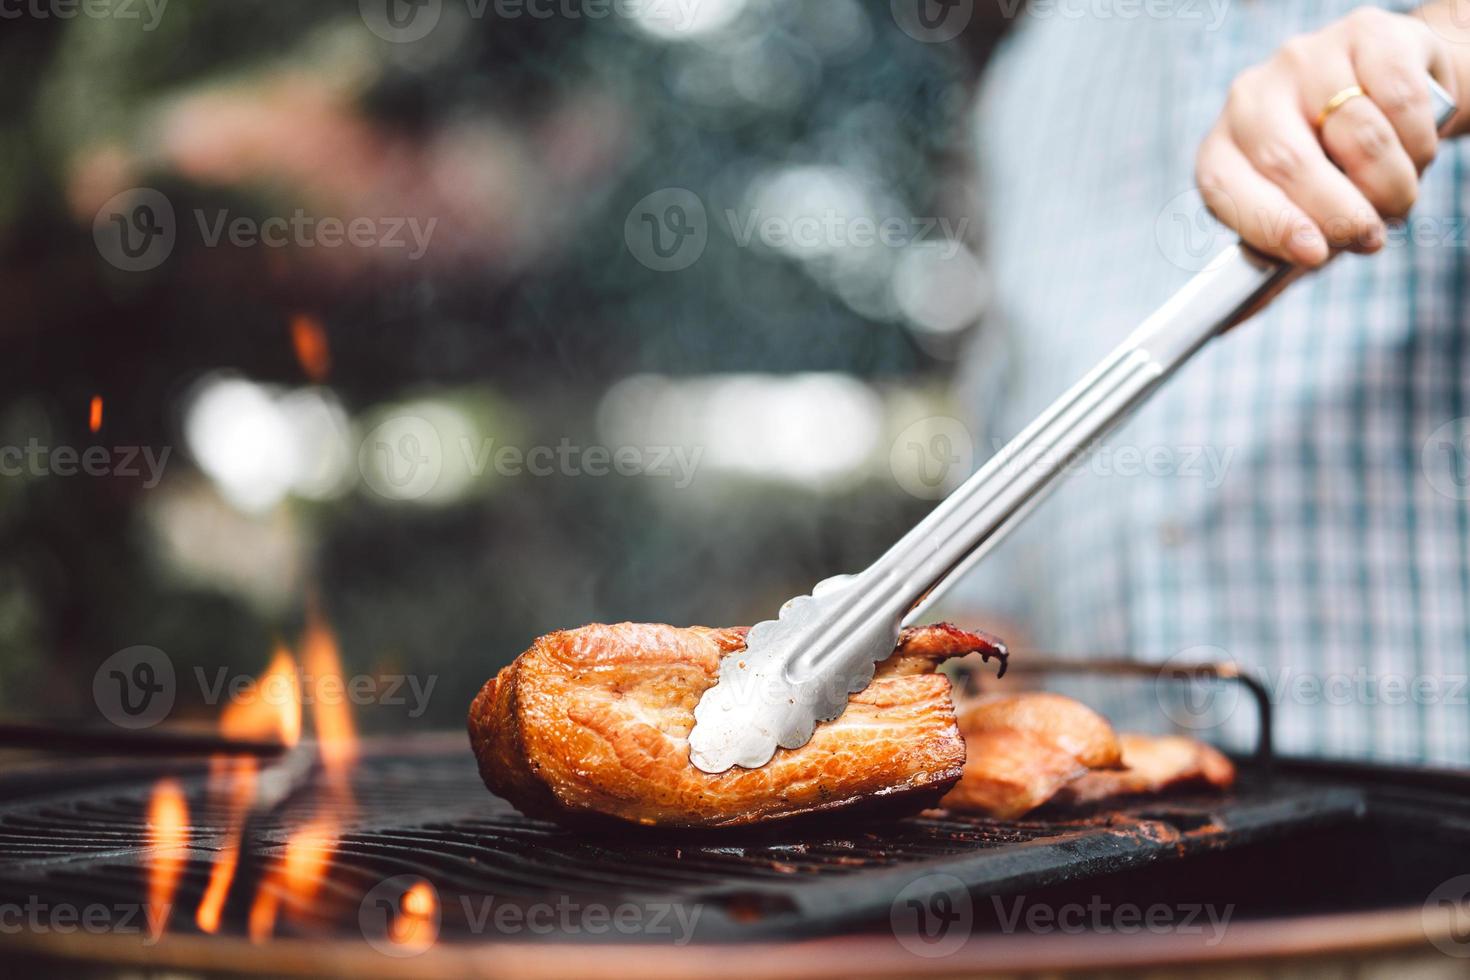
pixel 1216 670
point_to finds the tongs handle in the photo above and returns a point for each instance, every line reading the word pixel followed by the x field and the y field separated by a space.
pixel 963 528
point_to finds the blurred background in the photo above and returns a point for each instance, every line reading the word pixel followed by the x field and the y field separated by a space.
pixel 464 321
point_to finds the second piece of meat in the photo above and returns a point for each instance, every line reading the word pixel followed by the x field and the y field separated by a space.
pixel 1020 749
pixel 1024 750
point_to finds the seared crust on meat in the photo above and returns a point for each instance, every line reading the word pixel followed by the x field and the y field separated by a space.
pixel 1010 773
pixel 596 720
pixel 1056 719
pixel 1021 749
pixel 1155 764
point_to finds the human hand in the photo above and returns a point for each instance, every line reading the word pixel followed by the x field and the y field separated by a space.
pixel 1301 162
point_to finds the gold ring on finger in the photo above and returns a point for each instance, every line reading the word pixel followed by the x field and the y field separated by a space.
pixel 1338 101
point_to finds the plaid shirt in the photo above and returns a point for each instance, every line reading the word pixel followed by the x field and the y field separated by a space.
pixel 1296 498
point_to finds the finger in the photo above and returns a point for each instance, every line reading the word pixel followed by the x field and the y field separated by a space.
pixel 1443 31
pixel 1356 139
pixel 1359 138
pixel 1392 67
pixel 1258 210
pixel 1282 147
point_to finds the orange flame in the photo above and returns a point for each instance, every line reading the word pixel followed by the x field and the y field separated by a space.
pixel 235 779
pixel 94 414
pixel 297 879
pixel 294 883
pixel 168 834
pixel 263 913
pixel 272 709
pixel 307 854
pixel 213 903
pixel 330 712
pixel 310 341
pixel 414 926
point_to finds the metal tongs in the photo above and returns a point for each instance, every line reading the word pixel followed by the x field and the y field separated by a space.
pixel 800 668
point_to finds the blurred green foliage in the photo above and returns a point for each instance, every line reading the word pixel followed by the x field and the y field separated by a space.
pixel 453 591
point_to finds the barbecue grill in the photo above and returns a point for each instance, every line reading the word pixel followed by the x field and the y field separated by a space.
pixel 1306 857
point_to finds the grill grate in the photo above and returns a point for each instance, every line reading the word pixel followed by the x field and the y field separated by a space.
pixel 427 817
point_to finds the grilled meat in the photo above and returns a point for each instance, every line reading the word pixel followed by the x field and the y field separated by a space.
pixel 1154 764
pixel 596 720
pixel 1021 749
pixel 1024 750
